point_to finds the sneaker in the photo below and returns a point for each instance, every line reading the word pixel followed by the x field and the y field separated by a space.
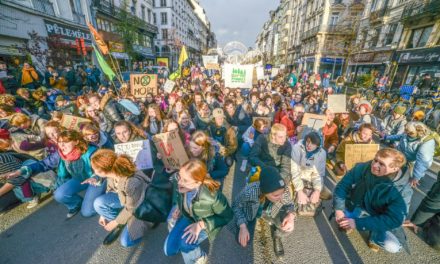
pixel 73 212
pixel 34 202
pixel 243 166
pixel 373 246
pixel 202 260
pixel 278 247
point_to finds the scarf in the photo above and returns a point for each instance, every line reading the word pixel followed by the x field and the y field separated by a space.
pixel 28 76
pixel 75 154
pixel 310 154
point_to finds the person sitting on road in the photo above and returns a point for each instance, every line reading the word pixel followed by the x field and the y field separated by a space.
pixel 273 150
pixel 258 128
pixel 268 198
pixel 374 196
pixel 394 124
pixel 418 145
pixel 125 190
pixel 330 133
pixel 308 171
pixel 200 211
pixel 363 136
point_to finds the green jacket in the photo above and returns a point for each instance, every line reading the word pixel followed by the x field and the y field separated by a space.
pixel 211 207
pixel 385 200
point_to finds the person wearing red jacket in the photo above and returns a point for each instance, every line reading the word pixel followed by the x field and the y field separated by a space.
pixel 293 120
pixel 330 132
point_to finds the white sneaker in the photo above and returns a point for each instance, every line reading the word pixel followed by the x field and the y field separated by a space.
pixel 34 202
pixel 243 165
pixel 202 260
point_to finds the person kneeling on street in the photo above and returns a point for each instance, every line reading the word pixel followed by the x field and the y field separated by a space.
pixel 269 199
pixel 374 196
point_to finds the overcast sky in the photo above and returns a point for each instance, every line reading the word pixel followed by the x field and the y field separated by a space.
pixel 239 20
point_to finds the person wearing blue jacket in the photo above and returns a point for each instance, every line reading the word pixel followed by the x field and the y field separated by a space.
pixel 374 196
pixel 418 147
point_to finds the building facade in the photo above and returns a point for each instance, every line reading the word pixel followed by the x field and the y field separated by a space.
pixel 44 32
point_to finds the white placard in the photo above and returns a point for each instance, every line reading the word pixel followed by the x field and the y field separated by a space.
pixel 260 73
pixel 210 59
pixel 238 76
pixel 169 86
pixel 275 72
pixel 139 151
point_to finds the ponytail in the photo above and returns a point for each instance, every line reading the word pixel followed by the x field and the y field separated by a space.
pixel 108 161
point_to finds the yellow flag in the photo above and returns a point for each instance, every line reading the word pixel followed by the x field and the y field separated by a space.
pixel 183 56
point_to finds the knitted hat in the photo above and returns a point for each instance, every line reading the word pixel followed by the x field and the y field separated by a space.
pixel 218 112
pixel 400 109
pixel 4 134
pixel 270 180
pixel 59 98
pixel 419 115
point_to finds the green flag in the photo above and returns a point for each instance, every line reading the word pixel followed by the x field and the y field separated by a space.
pixel 103 64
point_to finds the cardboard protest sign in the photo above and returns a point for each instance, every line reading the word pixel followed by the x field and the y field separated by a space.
pixel 139 151
pixel 267 120
pixel 171 149
pixel 275 72
pixel 260 72
pixel 238 76
pixel 142 84
pixel 311 122
pixel 337 103
pixel 73 122
pixel 211 62
pixel 169 86
pixel 355 153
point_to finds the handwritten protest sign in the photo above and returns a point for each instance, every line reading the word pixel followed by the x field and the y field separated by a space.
pixel 171 149
pixel 238 76
pixel 337 103
pixel 267 120
pixel 73 122
pixel 211 62
pixel 311 122
pixel 139 151
pixel 275 72
pixel 355 153
pixel 169 86
pixel 142 84
pixel 260 72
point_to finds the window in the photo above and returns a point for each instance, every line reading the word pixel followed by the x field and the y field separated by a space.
pixel 163 3
pixel 419 37
pixel 163 18
pixel 149 15
pixel 390 35
pixel 334 19
pixel 143 12
pixel 154 19
pixel 376 36
pixel 154 3
pixel 164 33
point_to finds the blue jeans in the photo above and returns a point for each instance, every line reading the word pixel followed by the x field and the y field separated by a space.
pixel 175 243
pixel 67 194
pixel 245 149
pixel 386 240
pixel 109 206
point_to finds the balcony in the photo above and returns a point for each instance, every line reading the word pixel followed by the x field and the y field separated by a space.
pixel 419 9
pixel 310 33
pixel 43 6
pixel 378 15
pixel 107 8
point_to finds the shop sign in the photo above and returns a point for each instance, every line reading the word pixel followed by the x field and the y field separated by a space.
pixel 67 32
pixel 382 56
pixel 332 60
pixel 116 46
pixel 421 55
pixel 363 57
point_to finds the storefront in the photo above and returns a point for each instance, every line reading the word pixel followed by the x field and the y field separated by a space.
pixel 308 64
pixel 364 63
pixel 332 66
pixel 68 45
pixel 414 65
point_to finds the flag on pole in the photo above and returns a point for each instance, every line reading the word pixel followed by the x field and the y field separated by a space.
pixel 182 58
pixel 103 64
pixel 99 41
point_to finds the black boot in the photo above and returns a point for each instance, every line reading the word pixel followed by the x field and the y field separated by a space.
pixel 278 248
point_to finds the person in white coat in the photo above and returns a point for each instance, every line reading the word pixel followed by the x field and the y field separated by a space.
pixel 308 171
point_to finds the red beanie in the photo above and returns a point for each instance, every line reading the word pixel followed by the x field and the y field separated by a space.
pixel 4 133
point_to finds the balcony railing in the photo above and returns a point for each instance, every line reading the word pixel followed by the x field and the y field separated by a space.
pixel 378 15
pixel 419 9
pixel 310 33
pixel 43 6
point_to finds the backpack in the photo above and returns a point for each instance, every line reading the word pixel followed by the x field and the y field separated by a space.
pixel 436 137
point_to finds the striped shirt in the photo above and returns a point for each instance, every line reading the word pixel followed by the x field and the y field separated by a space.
pixel 8 163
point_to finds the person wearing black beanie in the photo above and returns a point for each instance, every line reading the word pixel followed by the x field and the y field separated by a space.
pixel 268 199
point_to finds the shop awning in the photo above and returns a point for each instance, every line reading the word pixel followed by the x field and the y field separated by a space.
pixel 120 55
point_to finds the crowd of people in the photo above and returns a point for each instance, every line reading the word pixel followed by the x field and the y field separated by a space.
pixel 260 129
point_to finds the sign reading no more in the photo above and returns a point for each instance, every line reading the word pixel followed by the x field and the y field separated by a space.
pixel 143 84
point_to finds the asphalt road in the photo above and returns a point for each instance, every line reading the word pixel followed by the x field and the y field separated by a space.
pixel 42 235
